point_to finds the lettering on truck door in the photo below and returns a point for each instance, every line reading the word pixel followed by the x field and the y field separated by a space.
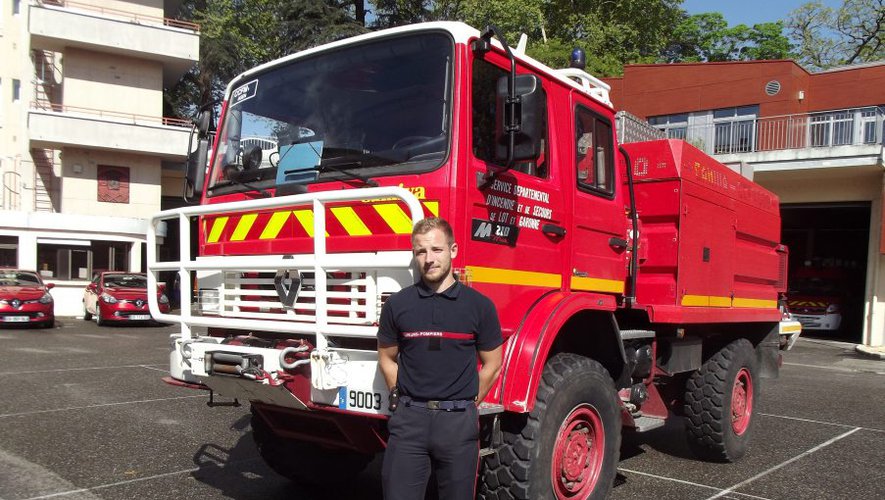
pixel 599 223
pixel 509 257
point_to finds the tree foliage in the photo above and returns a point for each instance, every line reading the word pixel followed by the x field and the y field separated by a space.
pixel 828 37
pixel 239 34
pixel 707 37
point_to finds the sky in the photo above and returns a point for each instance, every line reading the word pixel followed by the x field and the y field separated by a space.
pixel 750 12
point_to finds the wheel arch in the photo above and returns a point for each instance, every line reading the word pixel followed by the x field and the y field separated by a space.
pixel 560 322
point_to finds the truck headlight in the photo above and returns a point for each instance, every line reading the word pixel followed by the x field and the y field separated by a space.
pixel 108 299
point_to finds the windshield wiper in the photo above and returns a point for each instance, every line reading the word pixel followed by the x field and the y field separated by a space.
pixel 247 185
pixel 343 168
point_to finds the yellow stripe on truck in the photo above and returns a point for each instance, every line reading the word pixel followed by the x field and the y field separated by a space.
pixel 275 225
pixel 243 227
pixel 477 274
pixel 217 228
pixel 350 221
pixel 395 217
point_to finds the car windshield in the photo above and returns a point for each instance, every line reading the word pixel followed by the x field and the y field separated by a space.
pixel 377 108
pixel 18 278
pixel 814 286
pixel 125 281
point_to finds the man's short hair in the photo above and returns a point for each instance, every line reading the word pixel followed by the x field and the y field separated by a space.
pixel 426 225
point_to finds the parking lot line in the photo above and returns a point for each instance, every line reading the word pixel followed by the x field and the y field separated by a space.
pixel 78 369
pixel 784 464
pixel 141 479
pixel 69 408
pixel 836 368
pixel 811 421
pixel 689 483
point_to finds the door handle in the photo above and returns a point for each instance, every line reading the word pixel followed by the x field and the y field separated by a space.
pixel 617 242
pixel 553 230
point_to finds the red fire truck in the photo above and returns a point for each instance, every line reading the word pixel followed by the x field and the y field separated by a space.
pixel 633 282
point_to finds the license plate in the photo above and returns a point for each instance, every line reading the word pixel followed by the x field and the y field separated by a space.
pixel 138 317
pixel 16 319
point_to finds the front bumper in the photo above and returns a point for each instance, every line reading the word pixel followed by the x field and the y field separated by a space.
pixel 819 322
pixel 26 314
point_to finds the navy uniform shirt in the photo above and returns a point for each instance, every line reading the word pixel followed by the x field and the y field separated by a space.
pixel 438 335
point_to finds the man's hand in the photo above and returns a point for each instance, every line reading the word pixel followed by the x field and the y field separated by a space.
pixel 491 367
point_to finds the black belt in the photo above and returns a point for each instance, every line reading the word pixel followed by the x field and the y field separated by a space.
pixel 433 404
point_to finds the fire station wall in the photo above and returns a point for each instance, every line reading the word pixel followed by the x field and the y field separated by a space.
pixel 80 183
pixel 847 88
pixel 94 80
pixel 653 90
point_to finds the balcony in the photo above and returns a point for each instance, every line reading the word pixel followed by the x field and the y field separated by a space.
pixel 55 125
pixel 848 137
pixel 57 24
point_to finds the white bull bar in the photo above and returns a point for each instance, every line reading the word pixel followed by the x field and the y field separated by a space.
pixel 319 261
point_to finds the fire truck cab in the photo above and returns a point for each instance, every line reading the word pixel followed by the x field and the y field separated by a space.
pixel 633 282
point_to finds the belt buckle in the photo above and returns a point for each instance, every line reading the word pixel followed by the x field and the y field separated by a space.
pixel 433 405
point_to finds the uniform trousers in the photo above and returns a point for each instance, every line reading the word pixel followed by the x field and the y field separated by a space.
pixel 421 440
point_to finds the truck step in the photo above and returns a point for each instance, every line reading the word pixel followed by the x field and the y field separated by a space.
pixel 636 334
pixel 644 424
pixel 490 408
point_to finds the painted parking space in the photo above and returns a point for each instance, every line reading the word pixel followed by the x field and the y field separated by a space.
pixel 103 425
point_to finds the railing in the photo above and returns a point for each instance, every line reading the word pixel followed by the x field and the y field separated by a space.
pixel 846 127
pixel 135 119
pixel 123 14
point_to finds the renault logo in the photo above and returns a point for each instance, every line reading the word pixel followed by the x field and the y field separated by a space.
pixel 288 284
pixel 15 303
pixel 139 303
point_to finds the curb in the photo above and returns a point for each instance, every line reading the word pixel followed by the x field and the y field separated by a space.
pixel 871 352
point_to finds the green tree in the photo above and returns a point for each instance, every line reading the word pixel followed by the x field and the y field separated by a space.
pixel 236 35
pixel 707 37
pixel 828 37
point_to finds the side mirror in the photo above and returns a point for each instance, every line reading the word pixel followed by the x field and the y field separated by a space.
pixel 50 286
pixel 523 118
pixel 91 286
pixel 195 169
pixel 203 122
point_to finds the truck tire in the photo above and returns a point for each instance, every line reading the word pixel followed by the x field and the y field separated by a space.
pixel 568 446
pixel 306 463
pixel 719 402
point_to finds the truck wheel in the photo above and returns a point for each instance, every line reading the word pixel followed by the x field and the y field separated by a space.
pixel 719 402
pixel 306 463
pixel 568 446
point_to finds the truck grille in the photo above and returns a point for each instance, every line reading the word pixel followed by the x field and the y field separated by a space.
pixel 350 298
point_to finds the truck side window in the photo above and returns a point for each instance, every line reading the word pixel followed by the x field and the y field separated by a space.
pixel 485 80
pixel 594 158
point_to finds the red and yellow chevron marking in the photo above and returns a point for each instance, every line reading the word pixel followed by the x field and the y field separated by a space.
pixel 806 303
pixel 366 219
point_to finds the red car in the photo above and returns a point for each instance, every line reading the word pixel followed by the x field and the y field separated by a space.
pixel 120 297
pixel 25 299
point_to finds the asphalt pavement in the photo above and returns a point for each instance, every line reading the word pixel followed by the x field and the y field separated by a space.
pixel 84 415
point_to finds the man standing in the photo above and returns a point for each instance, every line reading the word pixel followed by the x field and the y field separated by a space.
pixel 428 340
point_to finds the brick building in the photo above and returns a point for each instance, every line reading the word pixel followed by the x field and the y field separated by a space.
pixel 815 139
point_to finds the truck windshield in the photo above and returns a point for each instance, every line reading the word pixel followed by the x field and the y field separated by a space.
pixel 361 111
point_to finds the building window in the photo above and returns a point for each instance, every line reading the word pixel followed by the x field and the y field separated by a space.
pixel 16 90
pixel 16 6
pixel 64 260
pixel 486 118
pixel 8 251
pixel 872 125
pixel 831 129
pixel 73 260
pixel 675 126
pixel 113 184
pixel 594 159
pixel 735 129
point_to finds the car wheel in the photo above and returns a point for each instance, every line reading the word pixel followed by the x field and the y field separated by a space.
pixel 86 314
pixel 719 401
pixel 98 320
pixel 568 446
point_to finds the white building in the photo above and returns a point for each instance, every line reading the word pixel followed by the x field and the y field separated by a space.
pixel 85 153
